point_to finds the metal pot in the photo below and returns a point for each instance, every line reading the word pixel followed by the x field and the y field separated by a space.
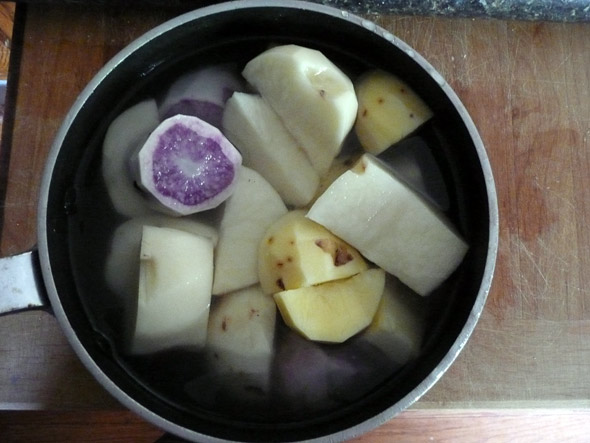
pixel 72 212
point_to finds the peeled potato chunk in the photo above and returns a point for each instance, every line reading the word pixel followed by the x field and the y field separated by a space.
pixel 252 208
pixel 240 338
pixel 398 325
pixel 296 252
pixel 391 225
pixel 174 294
pixel 267 147
pixel 315 100
pixel 388 111
pixel 335 311
pixel 124 135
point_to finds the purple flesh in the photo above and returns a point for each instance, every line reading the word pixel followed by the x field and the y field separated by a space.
pixel 319 376
pixel 190 168
pixel 207 111
pixel 226 94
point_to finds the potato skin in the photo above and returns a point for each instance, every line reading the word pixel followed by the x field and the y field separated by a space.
pixel 388 111
pixel 297 252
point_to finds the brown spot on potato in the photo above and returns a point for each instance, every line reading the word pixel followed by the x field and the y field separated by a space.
pixel 380 100
pixel 224 323
pixel 342 256
pixel 324 244
pixel 339 252
pixel 360 167
pixel 270 240
pixel 280 284
pixel 365 112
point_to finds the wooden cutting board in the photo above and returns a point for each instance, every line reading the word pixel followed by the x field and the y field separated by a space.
pixel 527 87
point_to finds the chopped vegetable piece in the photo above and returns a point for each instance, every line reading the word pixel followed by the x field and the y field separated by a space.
pixel 267 147
pixel 391 225
pixel 314 98
pixel 314 376
pixel 175 278
pixel 388 110
pixel 187 165
pixel 248 213
pixel 296 252
pixel 398 326
pixel 335 311
pixel 125 135
pixel 122 265
pixel 240 338
pixel 202 93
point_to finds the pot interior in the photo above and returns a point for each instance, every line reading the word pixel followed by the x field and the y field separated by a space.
pixel 80 221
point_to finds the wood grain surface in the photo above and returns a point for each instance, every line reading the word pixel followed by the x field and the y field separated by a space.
pixel 527 87
pixel 413 426
pixel 6 23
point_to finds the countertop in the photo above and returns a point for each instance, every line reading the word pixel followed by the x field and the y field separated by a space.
pixel 527 87
pixel 546 10
pixel 572 11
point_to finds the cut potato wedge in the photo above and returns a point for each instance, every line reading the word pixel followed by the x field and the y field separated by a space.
pixel 249 212
pixel 388 111
pixel 175 278
pixel 314 98
pixel 296 252
pixel 335 311
pixel 391 225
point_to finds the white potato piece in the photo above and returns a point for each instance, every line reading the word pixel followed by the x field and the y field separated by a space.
pixel 391 225
pixel 174 294
pixel 248 213
pixel 122 264
pixel 267 147
pixel 314 98
pixel 388 110
pixel 398 325
pixel 240 337
pixel 125 134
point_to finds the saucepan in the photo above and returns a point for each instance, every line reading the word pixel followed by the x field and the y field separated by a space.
pixel 76 222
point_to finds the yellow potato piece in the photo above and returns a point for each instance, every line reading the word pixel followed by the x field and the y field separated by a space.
pixel 388 111
pixel 297 252
pixel 335 311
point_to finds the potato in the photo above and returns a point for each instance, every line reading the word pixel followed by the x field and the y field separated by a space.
pixel 388 111
pixel 296 252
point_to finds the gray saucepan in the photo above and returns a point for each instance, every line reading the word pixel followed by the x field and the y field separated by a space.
pixel 75 220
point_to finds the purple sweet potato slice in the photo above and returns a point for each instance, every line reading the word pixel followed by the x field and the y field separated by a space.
pixel 187 166
pixel 320 376
pixel 202 93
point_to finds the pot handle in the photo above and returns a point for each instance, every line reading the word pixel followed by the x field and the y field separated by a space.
pixel 21 284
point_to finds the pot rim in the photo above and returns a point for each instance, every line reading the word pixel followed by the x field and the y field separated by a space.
pixel 199 14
